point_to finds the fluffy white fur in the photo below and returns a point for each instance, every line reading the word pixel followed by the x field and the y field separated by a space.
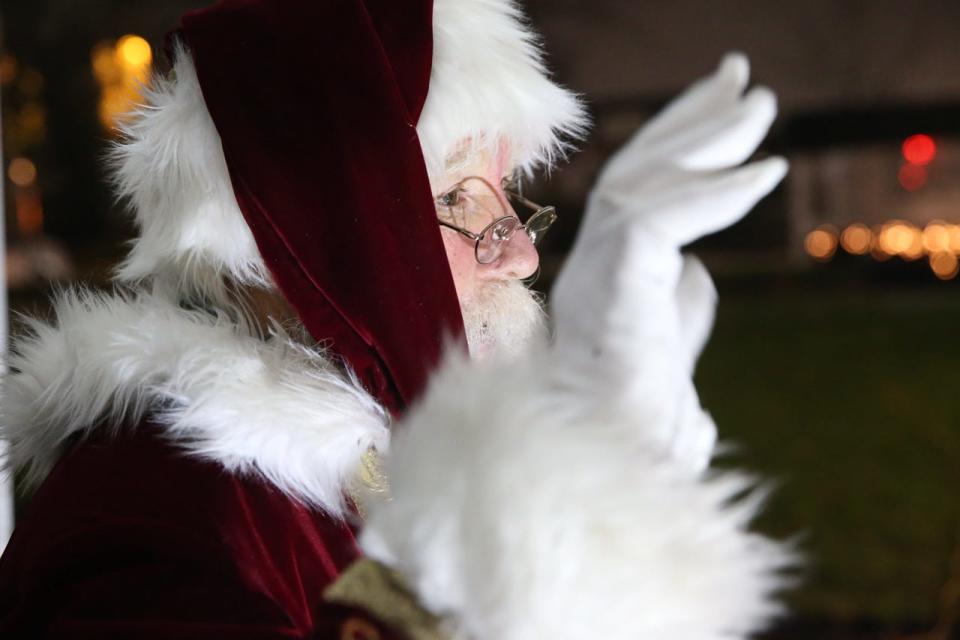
pixel 519 512
pixel 171 168
pixel 488 85
pixel 271 407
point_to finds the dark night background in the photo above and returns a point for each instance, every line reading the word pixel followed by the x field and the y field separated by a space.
pixel 832 366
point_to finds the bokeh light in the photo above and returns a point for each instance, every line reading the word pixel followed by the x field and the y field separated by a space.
pixel 939 240
pixel 914 250
pixel 22 172
pixel 821 243
pixel 936 237
pixel 944 265
pixel 954 233
pixel 8 69
pixel 856 239
pixel 919 149
pixel 876 251
pixel 134 51
pixel 912 176
pixel 103 59
pixel 895 237
pixel 121 68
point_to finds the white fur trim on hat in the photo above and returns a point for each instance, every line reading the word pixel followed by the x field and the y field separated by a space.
pixel 488 85
pixel 170 166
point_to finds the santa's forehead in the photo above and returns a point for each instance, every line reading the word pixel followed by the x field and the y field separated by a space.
pixel 491 162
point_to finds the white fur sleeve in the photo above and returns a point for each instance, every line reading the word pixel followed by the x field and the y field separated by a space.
pixel 518 513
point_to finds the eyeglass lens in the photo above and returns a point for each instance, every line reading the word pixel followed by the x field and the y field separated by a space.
pixel 490 246
pixel 477 207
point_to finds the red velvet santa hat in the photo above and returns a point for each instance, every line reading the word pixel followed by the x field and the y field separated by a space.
pixel 292 145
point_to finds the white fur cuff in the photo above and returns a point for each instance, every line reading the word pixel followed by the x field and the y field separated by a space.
pixel 519 515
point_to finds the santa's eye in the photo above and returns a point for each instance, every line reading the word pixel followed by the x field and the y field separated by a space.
pixel 451 198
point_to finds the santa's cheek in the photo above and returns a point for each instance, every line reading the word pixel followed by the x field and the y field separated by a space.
pixel 463 264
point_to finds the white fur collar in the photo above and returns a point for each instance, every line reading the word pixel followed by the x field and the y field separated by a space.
pixel 270 407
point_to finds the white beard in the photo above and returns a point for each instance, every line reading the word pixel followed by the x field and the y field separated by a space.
pixel 501 319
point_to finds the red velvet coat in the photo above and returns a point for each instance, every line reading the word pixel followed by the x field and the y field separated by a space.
pixel 315 106
pixel 131 538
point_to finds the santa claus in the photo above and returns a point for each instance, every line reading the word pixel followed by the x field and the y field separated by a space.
pixel 320 402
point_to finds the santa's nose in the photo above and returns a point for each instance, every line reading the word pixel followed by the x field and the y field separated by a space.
pixel 518 259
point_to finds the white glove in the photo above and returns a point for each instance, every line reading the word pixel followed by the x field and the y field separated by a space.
pixel 631 315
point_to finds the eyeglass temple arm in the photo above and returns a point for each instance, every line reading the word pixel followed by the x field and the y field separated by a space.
pixel 460 230
pixel 537 209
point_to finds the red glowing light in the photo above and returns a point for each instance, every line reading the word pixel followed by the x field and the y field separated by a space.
pixel 919 149
pixel 912 176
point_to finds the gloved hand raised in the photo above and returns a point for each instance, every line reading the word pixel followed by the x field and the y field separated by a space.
pixel 559 495
pixel 630 314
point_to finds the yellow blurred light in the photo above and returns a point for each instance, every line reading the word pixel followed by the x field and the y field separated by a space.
pixel 856 239
pixel 821 243
pixel 876 251
pixel 22 172
pixel 103 60
pixel 114 102
pixel 134 51
pixel 914 250
pixel 888 238
pixel 898 237
pixel 936 237
pixel 944 265
pixel 121 69
pixel 8 69
pixel 953 232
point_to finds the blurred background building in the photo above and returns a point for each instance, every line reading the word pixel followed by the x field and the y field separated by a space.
pixel 834 362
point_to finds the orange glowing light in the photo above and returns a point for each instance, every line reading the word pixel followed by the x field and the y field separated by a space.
pixel 896 237
pixel 912 176
pixel 29 211
pixel 134 51
pixel 876 251
pixel 103 59
pixel 114 103
pixel 936 237
pixel 856 239
pixel 944 265
pixel 919 149
pixel 121 69
pixel 8 69
pixel 821 243
pixel 22 172
pixel 914 250
pixel 954 232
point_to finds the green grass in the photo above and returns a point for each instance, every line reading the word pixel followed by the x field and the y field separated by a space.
pixel 852 403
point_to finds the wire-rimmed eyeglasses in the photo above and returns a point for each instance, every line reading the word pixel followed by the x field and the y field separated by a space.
pixel 474 202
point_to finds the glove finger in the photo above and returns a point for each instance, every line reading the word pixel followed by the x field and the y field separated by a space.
pixel 723 140
pixel 716 201
pixel 682 206
pixel 696 308
pixel 731 139
pixel 697 104
pixel 702 99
